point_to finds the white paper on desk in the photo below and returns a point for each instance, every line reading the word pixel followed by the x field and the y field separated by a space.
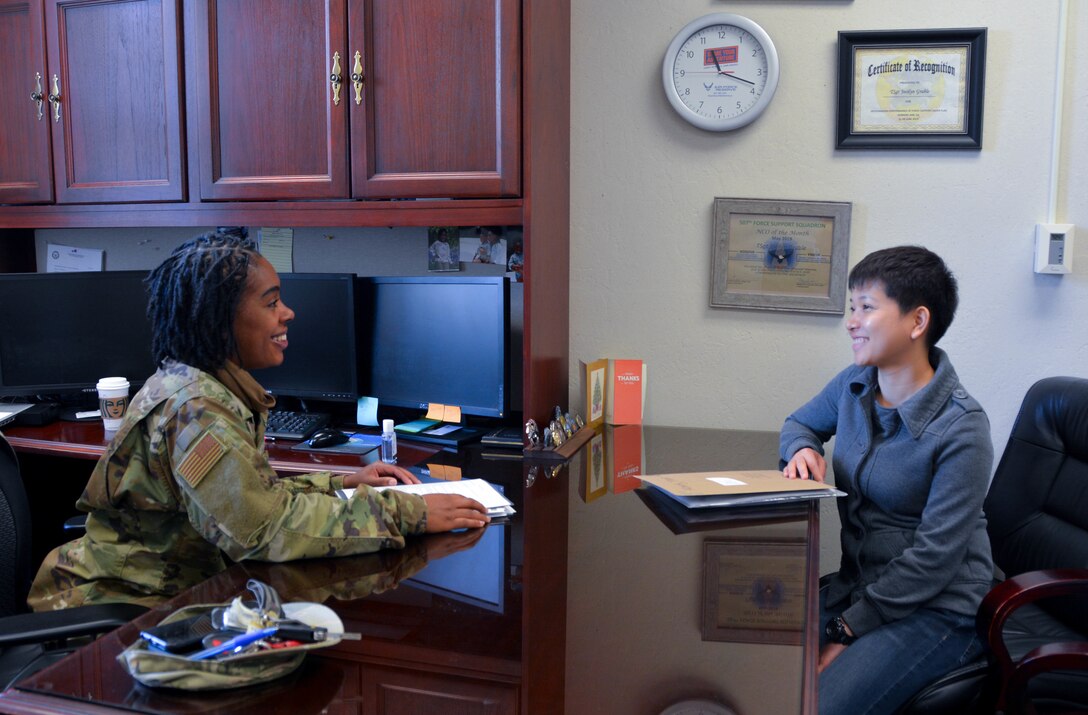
pixel 69 259
pixel 478 489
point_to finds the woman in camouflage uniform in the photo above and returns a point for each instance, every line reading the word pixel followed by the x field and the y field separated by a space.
pixel 185 485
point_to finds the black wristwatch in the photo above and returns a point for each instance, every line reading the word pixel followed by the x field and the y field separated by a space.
pixel 836 632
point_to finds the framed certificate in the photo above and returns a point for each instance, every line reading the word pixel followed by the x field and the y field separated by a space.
pixel 780 255
pixel 754 592
pixel 911 89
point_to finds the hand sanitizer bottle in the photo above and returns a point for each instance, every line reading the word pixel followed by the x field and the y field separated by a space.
pixel 389 442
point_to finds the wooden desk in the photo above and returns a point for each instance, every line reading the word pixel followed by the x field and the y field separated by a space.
pixel 56 461
pixel 599 606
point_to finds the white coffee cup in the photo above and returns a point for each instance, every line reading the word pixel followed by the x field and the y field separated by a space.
pixel 113 401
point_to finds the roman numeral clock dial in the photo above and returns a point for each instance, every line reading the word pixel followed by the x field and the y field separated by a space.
pixel 720 71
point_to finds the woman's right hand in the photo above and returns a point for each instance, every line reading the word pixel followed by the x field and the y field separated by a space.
pixel 446 512
pixel 441 545
pixel 806 463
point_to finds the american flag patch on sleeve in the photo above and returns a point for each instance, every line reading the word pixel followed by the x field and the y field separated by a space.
pixel 201 458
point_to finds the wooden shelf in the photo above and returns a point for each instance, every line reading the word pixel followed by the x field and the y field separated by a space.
pixel 439 212
pixel 564 451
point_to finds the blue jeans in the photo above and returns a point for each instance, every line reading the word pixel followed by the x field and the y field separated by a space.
pixel 885 667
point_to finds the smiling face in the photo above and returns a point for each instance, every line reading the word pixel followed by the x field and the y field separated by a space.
pixel 883 335
pixel 260 325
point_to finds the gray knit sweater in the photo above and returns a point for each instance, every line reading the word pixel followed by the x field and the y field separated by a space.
pixel 913 532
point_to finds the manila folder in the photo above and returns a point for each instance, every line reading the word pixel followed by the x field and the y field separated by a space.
pixel 705 489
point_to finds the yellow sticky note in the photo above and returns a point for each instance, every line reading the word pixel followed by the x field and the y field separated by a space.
pixel 443 413
pixel 445 472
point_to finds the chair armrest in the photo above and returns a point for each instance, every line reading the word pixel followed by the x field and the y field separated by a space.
pixel 1045 658
pixel 66 623
pixel 1004 598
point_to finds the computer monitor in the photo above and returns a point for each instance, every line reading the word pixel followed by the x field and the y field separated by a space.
pixel 436 339
pixel 320 360
pixel 61 332
pixel 476 576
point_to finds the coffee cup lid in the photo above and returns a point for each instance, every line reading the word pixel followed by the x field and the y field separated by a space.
pixel 113 383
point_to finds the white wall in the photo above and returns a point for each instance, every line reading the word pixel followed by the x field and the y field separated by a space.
pixel 643 181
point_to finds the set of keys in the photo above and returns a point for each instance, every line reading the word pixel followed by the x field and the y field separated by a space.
pixel 240 628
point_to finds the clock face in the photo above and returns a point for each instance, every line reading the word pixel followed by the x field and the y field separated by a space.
pixel 720 71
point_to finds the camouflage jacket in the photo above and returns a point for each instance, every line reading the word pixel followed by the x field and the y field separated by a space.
pixel 185 484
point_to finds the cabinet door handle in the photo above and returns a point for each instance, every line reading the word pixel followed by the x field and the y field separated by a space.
pixel 357 77
pixel 36 95
pixel 335 78
pixel 54 98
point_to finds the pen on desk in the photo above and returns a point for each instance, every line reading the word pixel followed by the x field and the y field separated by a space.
pixel 234 644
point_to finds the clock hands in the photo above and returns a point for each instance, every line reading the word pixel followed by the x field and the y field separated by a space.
pixel 723 73
pixel 716 64
pixel 739 79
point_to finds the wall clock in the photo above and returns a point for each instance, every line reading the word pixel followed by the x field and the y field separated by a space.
pixel 720 71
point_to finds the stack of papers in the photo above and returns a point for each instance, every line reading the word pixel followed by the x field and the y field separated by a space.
pixel 716 489
pixel 493 500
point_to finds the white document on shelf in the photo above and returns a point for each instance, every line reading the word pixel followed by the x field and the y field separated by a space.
pixel 482 491
pixel 69 259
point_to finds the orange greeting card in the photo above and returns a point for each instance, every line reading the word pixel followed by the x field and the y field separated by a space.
pixel 626 392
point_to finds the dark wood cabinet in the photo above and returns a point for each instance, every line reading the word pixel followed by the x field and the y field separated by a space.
pixel 111 105
pixel 335 99
pixel 464 102
pixel 399 691
pixel 25 172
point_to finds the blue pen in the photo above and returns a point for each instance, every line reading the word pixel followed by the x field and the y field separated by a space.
pixel 238 642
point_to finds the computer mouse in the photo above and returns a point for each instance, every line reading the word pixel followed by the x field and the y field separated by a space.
pixel 327 438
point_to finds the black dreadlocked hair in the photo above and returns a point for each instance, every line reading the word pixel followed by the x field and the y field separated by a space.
pixel 193 297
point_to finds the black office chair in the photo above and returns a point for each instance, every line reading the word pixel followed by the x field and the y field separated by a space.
pixel 1036 621
pixel 31 641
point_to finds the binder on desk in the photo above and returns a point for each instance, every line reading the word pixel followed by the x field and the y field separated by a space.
pixel 697 490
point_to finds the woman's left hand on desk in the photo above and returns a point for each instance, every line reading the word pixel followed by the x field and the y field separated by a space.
pixel 380 474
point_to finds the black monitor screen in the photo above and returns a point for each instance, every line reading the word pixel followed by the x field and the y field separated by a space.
pixel 475 576
pixel 436 339
pixel 319 362
pixel 61 332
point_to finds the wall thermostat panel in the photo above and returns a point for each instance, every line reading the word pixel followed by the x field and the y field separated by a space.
pixel 1054 248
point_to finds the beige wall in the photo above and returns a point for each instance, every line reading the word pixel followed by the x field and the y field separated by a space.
pixel 643 182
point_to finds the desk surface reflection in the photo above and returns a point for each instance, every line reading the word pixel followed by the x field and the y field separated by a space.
pixel 597 597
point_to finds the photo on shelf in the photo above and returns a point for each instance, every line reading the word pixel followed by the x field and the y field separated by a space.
pixel 515 261
pixel 443 248
pixel 489 246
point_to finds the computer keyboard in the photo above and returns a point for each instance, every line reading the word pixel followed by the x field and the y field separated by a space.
pixel 284 424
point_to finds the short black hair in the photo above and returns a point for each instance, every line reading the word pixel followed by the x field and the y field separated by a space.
pixel 193 296
pixel 912 276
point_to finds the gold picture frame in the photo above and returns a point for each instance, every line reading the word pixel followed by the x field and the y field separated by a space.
pixel 754 591
pixel 780 255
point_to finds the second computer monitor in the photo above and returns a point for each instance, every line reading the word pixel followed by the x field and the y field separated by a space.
pixel 61 332
pixel 436 339
pixel 320 360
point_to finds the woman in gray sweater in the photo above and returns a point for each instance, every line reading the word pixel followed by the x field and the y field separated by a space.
pixel 913 454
